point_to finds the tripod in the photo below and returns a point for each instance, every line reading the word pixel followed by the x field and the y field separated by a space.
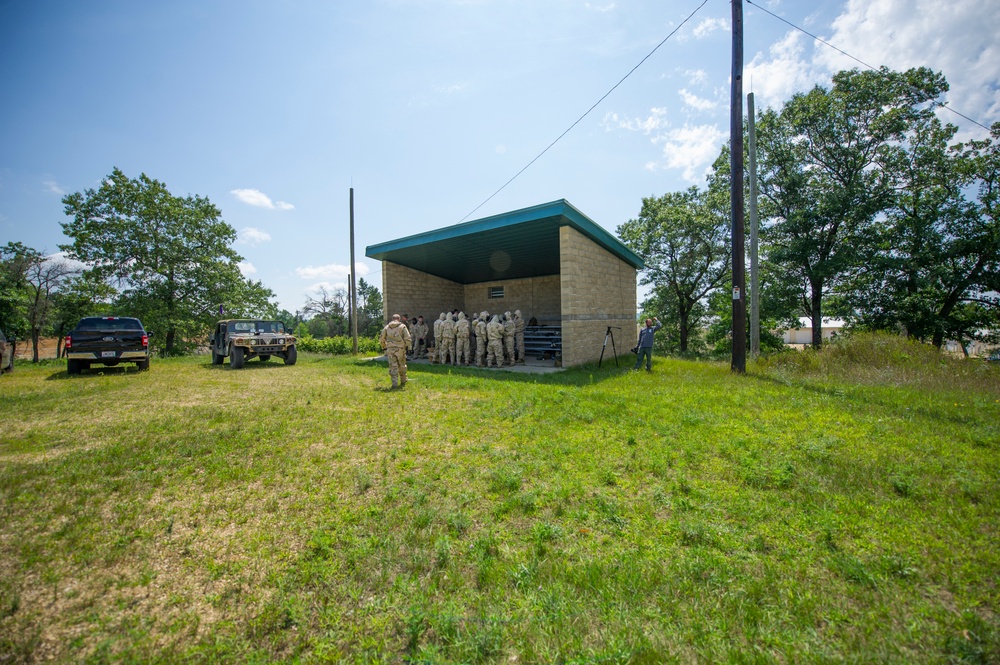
pixel 607 335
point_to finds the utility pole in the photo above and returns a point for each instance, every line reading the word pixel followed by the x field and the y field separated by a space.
pixel 739 363
pixel 353 294
pixel 754 255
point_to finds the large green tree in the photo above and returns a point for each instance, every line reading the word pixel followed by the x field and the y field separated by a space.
pixel 826 164
pixel 46 276
pixel 170 257
pixel 683 237
pixel 16 260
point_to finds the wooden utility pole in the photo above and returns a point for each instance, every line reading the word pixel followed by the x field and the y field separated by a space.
pixel 754 255
pixel 353 294
pixel 739 363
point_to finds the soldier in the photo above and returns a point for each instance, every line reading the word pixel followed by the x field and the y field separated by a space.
pixel 396 341
pixel 447 354
pixel 436 357
pixel 420 338
pixel 480 339
pixel 519 336
pixel 508 337
pixel 494 332
pixel 462 340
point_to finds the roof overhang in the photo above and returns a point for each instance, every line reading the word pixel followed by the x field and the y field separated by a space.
pixel 514 245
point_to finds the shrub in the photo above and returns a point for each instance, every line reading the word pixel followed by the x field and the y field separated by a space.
pixel 338 346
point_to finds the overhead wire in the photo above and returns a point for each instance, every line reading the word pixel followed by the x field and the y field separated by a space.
pixel 578 120
pixel 852 57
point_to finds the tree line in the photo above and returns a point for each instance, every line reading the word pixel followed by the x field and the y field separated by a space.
pixel 138 250
pixel 870 210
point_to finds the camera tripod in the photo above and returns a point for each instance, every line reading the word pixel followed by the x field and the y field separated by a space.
pixel 608 335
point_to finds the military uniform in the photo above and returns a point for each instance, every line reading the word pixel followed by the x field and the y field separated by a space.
pixel 480 339
pixel 419 334
pixel 447 354
pixel 519 336
pixel 494 332
pixel 436 357
pixel 508 337
pixel 462 340
pixel 396 341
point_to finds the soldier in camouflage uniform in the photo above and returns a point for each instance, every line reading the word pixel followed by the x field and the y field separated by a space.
pixel 447 355
pixel 480 339
pixel 519 336
pixel 494 332
pixel 436 357
pixel 508 338
pixel 419 334
pixel 462 340
pixel 396 341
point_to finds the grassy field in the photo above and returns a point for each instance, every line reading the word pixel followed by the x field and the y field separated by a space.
pixel 842 507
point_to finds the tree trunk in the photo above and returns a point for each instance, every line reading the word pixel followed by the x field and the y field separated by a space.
pixel 34 345
pixel 684 329
pixel 816 314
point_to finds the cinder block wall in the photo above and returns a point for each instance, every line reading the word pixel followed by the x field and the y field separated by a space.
pixel 597 290
pixel 409 291
pixel 537 297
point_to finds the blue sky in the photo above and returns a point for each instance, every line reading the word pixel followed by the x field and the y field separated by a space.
pixel 273 110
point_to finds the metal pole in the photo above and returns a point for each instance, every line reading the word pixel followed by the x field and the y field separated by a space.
pixel 739 363
pixel 754 255
pixel 353 294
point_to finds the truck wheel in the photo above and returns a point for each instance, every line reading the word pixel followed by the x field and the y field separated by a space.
pixel 264 359
pixel 143 365
pixel 236 357
pixel 216 358
pixel 72 366
pixel 291 355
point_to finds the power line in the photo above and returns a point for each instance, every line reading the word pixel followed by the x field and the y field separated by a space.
pixel 858 60
pixel 681 25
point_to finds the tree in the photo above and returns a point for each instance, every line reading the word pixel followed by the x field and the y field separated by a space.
pixel 826 171
pixel 81 296
pixel 369 306
pixel 169 257
pixel 684 240
pixel 327 313
pixel 45 275
pixel 15 290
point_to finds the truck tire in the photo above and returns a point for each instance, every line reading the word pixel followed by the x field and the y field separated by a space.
pixel 216 358
pixel 143 365
pixel 291 355
pixel 72 366
pixel 236 357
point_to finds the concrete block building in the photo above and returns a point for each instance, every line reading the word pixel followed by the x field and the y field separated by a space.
pixel 550 261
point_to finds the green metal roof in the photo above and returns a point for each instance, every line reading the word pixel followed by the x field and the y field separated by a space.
pixel 514 245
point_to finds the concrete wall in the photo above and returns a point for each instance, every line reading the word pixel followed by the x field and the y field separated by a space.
pixel 409 291
pixel 597 290
pixel 537 297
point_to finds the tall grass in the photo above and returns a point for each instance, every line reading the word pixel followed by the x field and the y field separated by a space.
pixel 308 514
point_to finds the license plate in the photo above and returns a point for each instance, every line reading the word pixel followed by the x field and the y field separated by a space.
pixel 108 354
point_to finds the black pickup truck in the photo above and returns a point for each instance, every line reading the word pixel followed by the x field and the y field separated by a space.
pixel 106 340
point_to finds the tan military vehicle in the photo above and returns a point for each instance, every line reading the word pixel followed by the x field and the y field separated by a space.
pixel 244 339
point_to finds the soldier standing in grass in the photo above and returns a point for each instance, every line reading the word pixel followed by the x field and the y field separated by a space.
pixel 480 339
pixel 462 340
pixel 508 337
pixel 494 332
pixel 419 338
pixel 396 341
pixel 447 354
pixel 436 358
pixel 519 336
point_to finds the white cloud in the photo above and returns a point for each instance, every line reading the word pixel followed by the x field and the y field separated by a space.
pixel 251 236
pixel 600 8
pixel 696 76
pixel 691 148
pixel 656 121
pixel 710 25
pixel 773 78
pixel 331 271
pixel 247 268
pixel 259 199
pixel 54 187
pixel 71 264
pixel 696 102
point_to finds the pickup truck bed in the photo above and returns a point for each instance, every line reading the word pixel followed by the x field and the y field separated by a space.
pixel 106 340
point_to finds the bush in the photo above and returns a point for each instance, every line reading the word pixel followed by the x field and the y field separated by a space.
pixel 338 346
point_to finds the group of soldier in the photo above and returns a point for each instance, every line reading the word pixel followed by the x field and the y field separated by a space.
pixel 496 341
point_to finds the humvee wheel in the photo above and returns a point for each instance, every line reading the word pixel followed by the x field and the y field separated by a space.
pixel 291 355
pixel 216 358
pixel 236 357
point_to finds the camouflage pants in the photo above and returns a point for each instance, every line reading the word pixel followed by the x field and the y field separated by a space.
pixel 495 354
pixel 480 350
pixel 397 365
pixel 508 343
pixel 436 355
pixel 462 350
pixel 447 355
pixel 519 343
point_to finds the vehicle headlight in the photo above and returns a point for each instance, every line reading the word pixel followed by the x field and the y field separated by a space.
pixel 281 340
pixel 239 341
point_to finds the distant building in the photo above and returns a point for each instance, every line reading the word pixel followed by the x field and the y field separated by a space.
pixel 550 261
pixel 802 336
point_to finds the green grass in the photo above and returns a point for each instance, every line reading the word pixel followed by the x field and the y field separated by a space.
pixel 836 507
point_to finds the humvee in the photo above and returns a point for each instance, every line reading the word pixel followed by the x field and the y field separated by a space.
pixel 243 339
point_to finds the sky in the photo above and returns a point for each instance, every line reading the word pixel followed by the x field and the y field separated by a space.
pixel 275 109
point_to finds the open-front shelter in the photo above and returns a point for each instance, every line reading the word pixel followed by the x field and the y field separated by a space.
pixel 550 261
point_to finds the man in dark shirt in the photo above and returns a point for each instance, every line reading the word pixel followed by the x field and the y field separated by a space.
pixel 645 345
